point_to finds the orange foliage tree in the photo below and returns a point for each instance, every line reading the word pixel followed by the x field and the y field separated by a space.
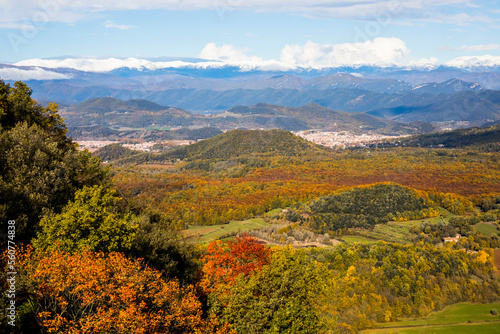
pixel 107 293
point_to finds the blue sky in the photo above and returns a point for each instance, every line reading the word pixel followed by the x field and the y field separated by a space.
pixel 298 32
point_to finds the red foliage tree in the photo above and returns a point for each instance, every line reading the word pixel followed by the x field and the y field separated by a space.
pixel 225 261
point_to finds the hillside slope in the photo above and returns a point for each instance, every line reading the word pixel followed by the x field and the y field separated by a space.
pixel 113 114
pixel 318 117
pixel 237 143
pixel 486 137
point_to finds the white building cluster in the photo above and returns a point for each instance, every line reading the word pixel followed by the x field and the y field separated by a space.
pixel 94 145
pixel 147 146
pixel 341 139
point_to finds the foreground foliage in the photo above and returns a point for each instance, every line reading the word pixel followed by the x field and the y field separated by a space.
pixel 92 221
pixel 106 293
pixel 40 168
pixel 256 291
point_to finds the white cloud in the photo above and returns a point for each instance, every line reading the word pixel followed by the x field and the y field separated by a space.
pixel 462 19
pixel 431 62
pixel 87 64
pixel 227 53
pixel 12 73
pixel 379 52
pixel 110 64
pixel 474 61
pixel 70 11
pixel 113 25
pixel 474 48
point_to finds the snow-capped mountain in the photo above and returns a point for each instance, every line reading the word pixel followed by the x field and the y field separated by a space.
pixel 202 85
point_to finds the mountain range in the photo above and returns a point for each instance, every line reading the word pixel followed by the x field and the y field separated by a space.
pixel 450 96
pixel 109 117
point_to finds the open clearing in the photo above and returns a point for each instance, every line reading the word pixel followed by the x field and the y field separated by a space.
pixel 207 234
pixel 357 238
pixel 486 229
pixel 453 319
pixel 392 232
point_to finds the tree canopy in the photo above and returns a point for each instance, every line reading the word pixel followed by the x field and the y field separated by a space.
pixel 40 168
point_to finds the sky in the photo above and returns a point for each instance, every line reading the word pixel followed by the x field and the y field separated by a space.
pixel 312 33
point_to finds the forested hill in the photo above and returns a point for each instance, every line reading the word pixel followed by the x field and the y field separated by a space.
pixel 241 147
pixel 367 206
pixel 237 143
pixel 486 137
pixel 318 117
pixel 112 117
pixel 108 104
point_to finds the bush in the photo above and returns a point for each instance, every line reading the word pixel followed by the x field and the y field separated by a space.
pixel 494 312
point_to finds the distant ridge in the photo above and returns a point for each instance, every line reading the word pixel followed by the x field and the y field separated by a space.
pixel 103 105
pixel 486 137
pixel 318 117
pixel 98 114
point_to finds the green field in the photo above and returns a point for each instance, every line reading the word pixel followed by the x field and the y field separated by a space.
pixel 454 319
pixel 394 231
pixel 207 234
pixel 273 212
pixel 357 238
pixel 486 229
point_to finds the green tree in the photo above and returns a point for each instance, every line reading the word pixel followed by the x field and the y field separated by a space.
pixel 94 220
pixel 36 174
pixel 17 106
pixel 40 168
pixel 281 298
pixel 160 246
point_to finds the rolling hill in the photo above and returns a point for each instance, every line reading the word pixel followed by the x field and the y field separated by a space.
pixel 237 143
pixel 108 104
pixel 111 117
pixel 119 114
pixel 318 117
pixel 486 137
pixel 231 149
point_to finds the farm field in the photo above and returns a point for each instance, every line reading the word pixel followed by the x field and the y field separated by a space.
pixel 393 231
pixel 457 318
pixel 357 238
pixel 486 229
pixel 207 234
